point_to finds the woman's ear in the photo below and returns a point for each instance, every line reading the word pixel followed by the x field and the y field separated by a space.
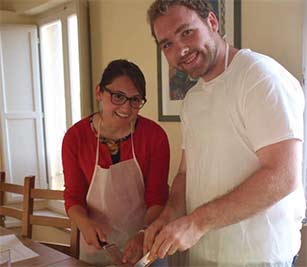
pixel 98 93
pixel 213 22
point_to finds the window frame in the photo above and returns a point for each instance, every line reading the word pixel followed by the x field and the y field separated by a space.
pixel 62 13
pixel 304 85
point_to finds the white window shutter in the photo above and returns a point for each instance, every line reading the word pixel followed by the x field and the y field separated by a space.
pixel 21 115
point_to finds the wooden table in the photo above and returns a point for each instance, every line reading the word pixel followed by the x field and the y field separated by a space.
pixel 47 256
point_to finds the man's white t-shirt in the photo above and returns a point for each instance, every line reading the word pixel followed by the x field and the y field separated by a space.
pixel 254 103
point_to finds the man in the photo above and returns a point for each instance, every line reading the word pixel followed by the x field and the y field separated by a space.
pixel 237 199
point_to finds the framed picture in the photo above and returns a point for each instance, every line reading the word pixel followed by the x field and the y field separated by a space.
pixel 173 84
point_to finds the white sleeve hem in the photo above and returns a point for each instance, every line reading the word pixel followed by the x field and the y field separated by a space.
pixel 289 136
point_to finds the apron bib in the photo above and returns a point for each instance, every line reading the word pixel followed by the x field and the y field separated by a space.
pixel 115 200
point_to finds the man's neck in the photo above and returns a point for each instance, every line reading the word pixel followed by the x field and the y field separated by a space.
pixel 219 67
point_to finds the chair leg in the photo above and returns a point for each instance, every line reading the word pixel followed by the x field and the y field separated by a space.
pixel 74 240
pixel 26 229
pixel 2 181
pixel 2 220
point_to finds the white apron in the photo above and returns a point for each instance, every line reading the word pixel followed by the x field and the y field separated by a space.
pixel 115 200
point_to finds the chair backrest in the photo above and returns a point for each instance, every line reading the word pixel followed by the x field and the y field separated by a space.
pixel 26 214
pixel 17 189
pixel 57 222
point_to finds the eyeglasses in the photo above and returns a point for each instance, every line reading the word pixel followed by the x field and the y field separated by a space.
pixel 136 102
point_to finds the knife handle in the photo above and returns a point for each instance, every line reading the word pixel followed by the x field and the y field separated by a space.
pixel 102 243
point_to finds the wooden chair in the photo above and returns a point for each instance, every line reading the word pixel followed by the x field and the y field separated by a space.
pixel 20 214
pixel 57 222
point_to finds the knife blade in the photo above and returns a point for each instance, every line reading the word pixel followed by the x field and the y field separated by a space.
pixel 113 252
pixel 116 255
pixel 145 261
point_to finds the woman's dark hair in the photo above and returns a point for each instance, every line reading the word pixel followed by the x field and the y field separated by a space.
pixel 122 67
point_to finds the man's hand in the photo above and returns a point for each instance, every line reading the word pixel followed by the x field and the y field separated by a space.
pixel 180 234
pixel 174 209
pixel 152 231
pixel 134 249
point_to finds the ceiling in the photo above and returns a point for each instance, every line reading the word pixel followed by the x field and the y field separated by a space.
pixel 29 7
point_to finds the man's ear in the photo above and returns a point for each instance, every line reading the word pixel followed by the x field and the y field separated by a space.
pixel 213 22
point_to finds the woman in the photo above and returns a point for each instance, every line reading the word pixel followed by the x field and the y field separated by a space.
pixel 116 165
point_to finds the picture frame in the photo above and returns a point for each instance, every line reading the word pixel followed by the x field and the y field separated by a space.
pixel 173 84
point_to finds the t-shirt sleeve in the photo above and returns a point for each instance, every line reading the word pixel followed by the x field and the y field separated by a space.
pixel 75 182
pixel 156 191
pixel 273 110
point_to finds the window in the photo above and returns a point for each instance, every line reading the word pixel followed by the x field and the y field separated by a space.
pixel 53 78
pixel 60 68
pixel 53 87
pixel 73 50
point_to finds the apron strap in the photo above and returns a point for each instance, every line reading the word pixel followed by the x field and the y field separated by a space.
pixel 133 153
pixel 97 147
pixel 226 56
pixel 132 143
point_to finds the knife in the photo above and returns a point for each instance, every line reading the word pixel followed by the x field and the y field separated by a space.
pixel 116 255
pixel 145 261
pixel 113 252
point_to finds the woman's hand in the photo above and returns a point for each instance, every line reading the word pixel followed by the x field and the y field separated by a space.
pixel 134 249
pixel 91 231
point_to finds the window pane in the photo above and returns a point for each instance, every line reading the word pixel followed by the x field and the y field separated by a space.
pixel 53 99
pixel 74 73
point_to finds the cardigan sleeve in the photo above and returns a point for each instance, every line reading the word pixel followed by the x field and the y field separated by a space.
pixel 76 186
pixel 156 191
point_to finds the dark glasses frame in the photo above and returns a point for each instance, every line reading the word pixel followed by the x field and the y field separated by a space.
pixel 114 100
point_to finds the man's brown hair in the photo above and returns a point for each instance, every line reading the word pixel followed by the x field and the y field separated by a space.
pixel 160 7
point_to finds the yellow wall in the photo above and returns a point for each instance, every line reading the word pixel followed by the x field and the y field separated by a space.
pixel 119 30
pixel 9 17
pixel 275 27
